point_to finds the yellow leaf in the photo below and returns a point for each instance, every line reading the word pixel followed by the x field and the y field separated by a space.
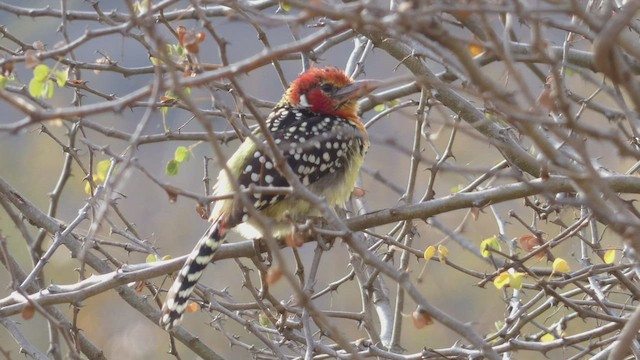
pixel 487 244
pixel 560 265
pixel 456 189
pixel 102 169
pixel 151 258
pixel 87 187
pixel 516 280
pixel 501 280
pixel 264 320
pixel 547 338
pixel 428 254
pixel 285 6
pixel 443 253
pixel 610 256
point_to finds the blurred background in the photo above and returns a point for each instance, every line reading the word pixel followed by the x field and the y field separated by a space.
pixel 31 162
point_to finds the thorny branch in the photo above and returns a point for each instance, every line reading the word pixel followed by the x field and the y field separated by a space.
pixel 517 120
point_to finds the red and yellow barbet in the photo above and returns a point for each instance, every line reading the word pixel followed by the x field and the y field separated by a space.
pixel 317 129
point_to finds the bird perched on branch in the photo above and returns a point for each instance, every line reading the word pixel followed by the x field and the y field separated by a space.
pixel 316 128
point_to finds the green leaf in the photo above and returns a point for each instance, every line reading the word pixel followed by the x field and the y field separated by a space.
pixel 172 168
pixel 3 81
pixel 102 168
pixel 155 61
pixel 516 280
pixel 489 244
pixel 36 87
pixel 151 258
pixel 87 187
pixel 285 6
pixel 41 72
pixel 61 77
pixel 547 338
pixel 182 154
pixel 48 89
pixel 380 107
pixel 187 91
pixel 610 256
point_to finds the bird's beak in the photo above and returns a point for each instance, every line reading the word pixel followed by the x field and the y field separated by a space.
pixel 356 90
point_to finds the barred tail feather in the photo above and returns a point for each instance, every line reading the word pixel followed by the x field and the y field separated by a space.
pixel 178 295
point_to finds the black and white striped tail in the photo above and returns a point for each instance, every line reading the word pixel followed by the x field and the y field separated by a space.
pixel 178 295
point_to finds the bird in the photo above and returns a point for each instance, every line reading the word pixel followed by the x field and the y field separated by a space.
pixel 317 129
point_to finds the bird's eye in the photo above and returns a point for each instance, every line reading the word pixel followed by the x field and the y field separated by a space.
pixel 326 88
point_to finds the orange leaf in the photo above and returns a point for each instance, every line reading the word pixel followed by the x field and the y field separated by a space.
pixel 181 30
pixel 167 100
pixel 139 287
pixel 475 48
pixel 421 319
pixel 294 241
pixel 202 211
pixel 273 275
pixel 192 307
pixel 528 242
pixel 358 192
pixel 28 311
pixel 462 14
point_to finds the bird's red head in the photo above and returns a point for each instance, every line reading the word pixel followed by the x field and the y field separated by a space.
pixel 328 91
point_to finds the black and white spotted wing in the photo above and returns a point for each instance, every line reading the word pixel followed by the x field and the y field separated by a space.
pixel 313 145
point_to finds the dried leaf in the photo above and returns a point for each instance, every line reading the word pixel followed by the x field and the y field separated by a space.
pixel 273 275
pixel 294 241
pixel 38 45
pixel 475 48
pixel 421 319
pixel 7 68
pixel 202 211
pixel 192 307
pixel 28 311
pixel 358 192
pixel 31 59
pixel 475 213
pixel 529 242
